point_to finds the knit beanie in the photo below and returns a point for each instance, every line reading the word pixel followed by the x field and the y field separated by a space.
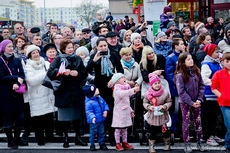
pixel 167 9
pixel 94 42
pixel 198 25
pixel 83 49
pixel 209 49
pixel 89 90
pixel 134 35
pixel 116 77
pixel 159 35
pixel 171 23
pixel 31 48
pixel 3 45
pixel 153 78
pixel 102 12
pixel 226 29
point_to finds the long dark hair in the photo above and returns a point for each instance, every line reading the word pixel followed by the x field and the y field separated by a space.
pixel 181 67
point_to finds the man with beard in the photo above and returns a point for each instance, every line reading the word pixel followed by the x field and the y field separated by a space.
pixel 187 35
pixel 225 43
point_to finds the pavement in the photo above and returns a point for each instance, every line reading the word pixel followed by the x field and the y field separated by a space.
pixel 56 146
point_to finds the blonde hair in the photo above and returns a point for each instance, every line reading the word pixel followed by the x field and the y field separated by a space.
pixel 125 34
pixel 146 50
pixel 124 51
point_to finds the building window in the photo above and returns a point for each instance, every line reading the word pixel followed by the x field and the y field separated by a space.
pixel 221 1
pixel 222 13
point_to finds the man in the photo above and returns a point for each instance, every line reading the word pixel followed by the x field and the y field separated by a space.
pixel 57 38
pixel 193 46
pixel 86 33
pixel 66 33
pixel 113 45
pixel 127 24
pixel 225 43
pixel 171 25
pixel 53 29
pixel 36 39
pixel 219 30
pixel 142 31
pixel 142 18
pixel 210 26
pixel 19 31
pixel 180 24
pixel 103 31
pixel 47 30
pixel 35 31
pixel 6 33
pixel 109 17
pixel 187 34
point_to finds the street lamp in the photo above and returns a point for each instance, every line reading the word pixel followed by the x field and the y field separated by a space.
pixel 44 15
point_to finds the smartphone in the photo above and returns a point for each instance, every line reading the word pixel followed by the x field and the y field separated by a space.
pixel 149 22
pixel 104 53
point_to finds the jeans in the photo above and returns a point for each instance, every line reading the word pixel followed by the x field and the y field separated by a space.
pixel 226 114
pixel 99 130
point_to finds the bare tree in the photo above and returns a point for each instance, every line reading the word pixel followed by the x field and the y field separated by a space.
pixel 87 10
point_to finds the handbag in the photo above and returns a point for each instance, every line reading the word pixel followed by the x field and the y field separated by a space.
pixel 52 84
pixel 22 87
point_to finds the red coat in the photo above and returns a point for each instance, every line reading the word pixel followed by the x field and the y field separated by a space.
pixel 221 82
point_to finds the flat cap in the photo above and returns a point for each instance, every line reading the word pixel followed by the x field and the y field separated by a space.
pixel 35 30
pixel 110 34
pixel 86 30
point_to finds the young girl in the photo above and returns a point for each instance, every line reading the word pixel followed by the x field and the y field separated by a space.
pixel 122 112
pixel 190 89
pixel 157 101
pixel 210 107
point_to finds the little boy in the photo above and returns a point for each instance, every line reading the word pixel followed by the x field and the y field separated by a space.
pixel 220 87
pixel 96 113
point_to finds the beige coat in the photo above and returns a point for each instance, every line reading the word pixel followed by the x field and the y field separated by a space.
pixel 133 74
pixel 164 99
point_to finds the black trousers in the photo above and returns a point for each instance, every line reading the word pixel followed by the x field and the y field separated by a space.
pixel 27 118
pixel 13 119
pixel 41 123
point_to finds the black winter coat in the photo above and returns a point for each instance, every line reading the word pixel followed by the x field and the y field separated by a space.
pixel 11 101
pixel 70 92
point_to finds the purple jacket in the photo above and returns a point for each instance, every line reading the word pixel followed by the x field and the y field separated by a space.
pixel 191 91
pixel 119 27
pixel 164 20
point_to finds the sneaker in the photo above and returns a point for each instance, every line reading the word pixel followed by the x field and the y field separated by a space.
pixel 212 142
pixel 127 146
pixel 187 148
pixel 119 147
pixel 201 146
pixel 103 147
pixel 218 140
pixel 92 148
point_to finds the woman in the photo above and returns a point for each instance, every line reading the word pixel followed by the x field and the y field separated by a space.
pixel 41 98
pixel 119 26
pixel 69 97
pixel 162 46
pixel 149 63
pixel 78 36
pixel 133 78
pixel 51 52
pixel 136 46
pixel 11 103
pixel 18 42
pixel 127 38
pixel 202 39
pixel 104 64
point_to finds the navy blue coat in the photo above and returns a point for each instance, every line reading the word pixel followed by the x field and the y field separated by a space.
pixel 94 108
pixel 10 100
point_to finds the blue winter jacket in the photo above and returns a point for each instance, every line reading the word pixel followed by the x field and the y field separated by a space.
pixel 94 108
pixel 170 68
pixel 163 49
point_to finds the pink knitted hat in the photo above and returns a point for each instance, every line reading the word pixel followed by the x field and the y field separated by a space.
pixel 153 78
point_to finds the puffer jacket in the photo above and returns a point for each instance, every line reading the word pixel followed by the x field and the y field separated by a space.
pixel 94 108
pixel 41 98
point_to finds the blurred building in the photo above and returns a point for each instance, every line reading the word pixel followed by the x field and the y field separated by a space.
pixel 18 10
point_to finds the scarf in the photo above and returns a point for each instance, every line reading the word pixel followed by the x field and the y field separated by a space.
pixel 50 60
pixel 137 47
pixel 123 87
pixel 106 65
pixel 127 43
pixel 152 94
pixel 36 64
pixel 8 55
pixel 129 64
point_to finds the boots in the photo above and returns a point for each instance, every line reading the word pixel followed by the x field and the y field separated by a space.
pixel 79 141
pixel 66 140
pixel 18 141
pixel 10 139
pixel 166 144
pixel 151 146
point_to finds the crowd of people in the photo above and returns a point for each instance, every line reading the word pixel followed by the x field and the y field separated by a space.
pixel 111 74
